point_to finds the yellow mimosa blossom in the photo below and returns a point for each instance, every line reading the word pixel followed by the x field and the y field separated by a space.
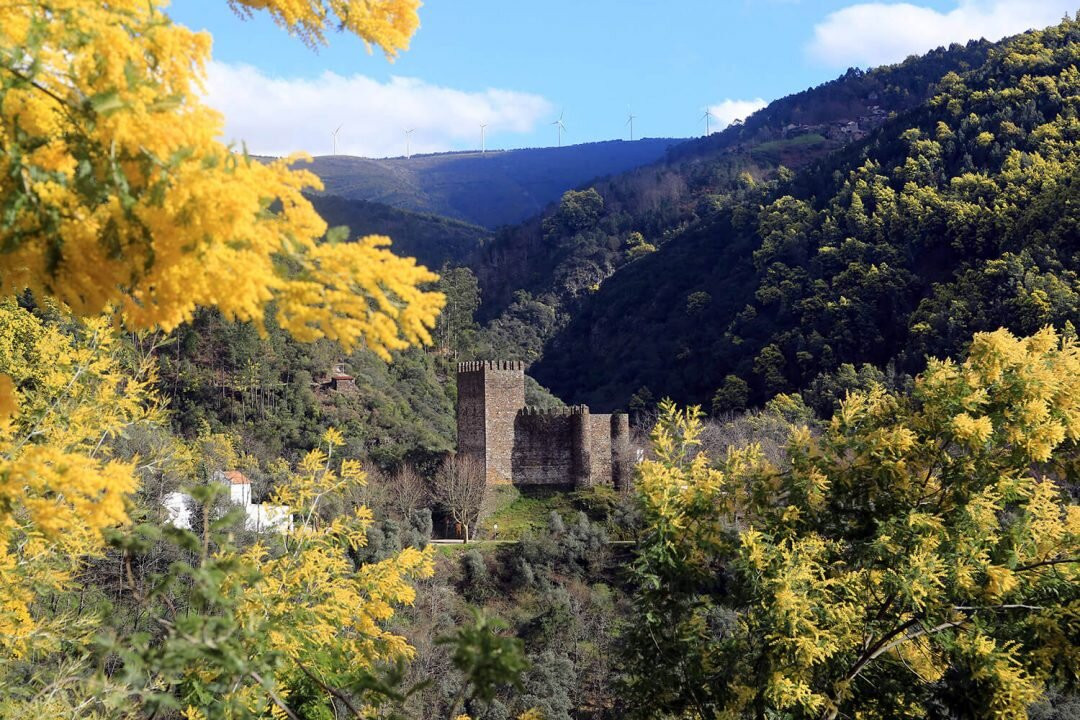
pixel 120 195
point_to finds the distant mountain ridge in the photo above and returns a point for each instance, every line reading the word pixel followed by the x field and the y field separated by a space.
pixel 488 189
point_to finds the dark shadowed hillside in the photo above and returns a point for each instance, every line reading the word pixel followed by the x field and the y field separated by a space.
pixel 956 216
pixel 432 239
pixel 537 275
pixel 491 189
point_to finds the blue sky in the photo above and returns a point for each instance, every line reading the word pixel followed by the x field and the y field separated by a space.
pixel 516 64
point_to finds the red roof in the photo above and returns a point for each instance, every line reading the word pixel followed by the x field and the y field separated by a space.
pixel 236 477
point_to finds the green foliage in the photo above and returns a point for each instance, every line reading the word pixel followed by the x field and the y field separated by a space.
pixel 431 239
pixel 578 210
pixel 919 555
pixel 636 246
pixel 825 393
pixel 956 215
pixel 697 302
pixel 521 331
pixel 456 328
pixel 488 659
pixel 548 685
pixel 272 393
pixel 732 396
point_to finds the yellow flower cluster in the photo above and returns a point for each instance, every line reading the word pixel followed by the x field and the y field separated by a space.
pixel 913 535
pixel 314 602
pixel 59 490
pixel 386 23
pixel 117 193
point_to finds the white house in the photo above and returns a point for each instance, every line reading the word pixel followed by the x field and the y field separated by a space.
pixel 259 517
pixel 239 486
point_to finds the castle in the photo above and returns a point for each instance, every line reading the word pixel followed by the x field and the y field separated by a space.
pixel 513 443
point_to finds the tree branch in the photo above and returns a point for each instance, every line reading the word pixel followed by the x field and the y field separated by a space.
pixel 326 688
pixel 274 696
pixel 1045 563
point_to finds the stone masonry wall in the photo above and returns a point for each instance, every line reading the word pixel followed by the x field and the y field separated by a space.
pixel 543 442
pixel 471 421
pixel 567 447
pixel 505 381
pixel 600 447
pixel 622 469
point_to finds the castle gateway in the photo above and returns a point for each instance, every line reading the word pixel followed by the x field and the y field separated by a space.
pixel 513 443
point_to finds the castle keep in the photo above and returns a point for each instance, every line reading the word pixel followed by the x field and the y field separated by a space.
pixel 565 447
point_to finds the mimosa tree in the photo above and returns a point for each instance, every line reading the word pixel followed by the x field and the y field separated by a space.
pixel 120 203
pixel 922 553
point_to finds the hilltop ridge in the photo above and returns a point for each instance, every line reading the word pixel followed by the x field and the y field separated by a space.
pixel 956 215
pixel 487 189
pixel 538 275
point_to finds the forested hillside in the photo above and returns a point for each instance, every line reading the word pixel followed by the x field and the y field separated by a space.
pixel 562 257
pixel 273 393
pixel 958 215
pixel 489 189
pixel 226 432
pixel 432 239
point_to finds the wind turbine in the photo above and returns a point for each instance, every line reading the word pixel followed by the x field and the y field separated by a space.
pixel 408 134
pixel 707 117
pixel 483 138
pixel 561 127
pixel 334 136
pixel 630 121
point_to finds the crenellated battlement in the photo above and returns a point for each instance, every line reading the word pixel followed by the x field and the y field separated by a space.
pixel 567 411
pixel 496 365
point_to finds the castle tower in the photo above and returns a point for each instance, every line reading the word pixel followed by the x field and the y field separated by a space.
pixel 581 465
pixel 490 394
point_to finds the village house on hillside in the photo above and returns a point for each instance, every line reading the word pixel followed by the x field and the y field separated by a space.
pixel 259 517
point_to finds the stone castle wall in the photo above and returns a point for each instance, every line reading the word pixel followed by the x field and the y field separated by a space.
pixel 600 449
pixel 566 447
pixel 471 420
pixel 622 467
pixel 543 448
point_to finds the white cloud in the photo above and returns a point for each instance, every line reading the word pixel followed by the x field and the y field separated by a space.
pixel 729 111
pixel 877 33
pixel 276 116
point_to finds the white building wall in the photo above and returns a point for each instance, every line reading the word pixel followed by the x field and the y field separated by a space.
pixel 240 493
pixel 178 509
pixel 269 518
pixel 259 518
